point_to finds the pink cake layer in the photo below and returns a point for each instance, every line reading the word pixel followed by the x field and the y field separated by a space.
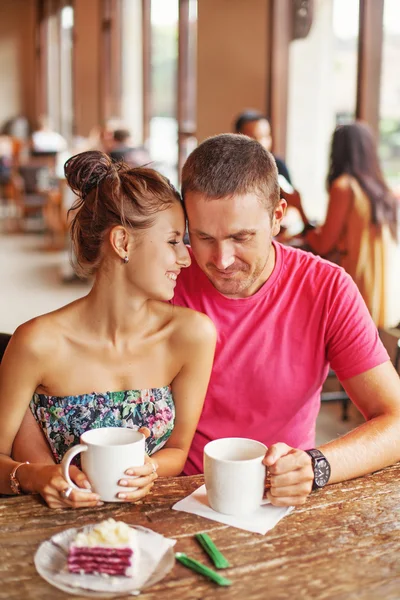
pixel 112 561
pixel 96 568
pixel 100 551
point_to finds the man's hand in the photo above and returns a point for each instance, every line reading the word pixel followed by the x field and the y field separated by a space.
pixel 291 475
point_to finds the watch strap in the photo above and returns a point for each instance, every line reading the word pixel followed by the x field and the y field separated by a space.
pixel 314 453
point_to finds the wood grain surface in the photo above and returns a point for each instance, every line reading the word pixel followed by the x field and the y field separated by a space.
pixel 343 544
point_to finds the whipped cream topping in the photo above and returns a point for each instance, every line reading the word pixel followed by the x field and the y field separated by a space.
pixel 109 533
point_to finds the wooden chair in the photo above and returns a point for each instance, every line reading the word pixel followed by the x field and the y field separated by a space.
pixel 337 396
pixel 4 339
pixel 44 159
pixel 397 355
pixel 8 187
pixel 391 340
pixel 32 185
pixel 55 219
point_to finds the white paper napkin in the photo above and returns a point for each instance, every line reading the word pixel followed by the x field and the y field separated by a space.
pixel 260 521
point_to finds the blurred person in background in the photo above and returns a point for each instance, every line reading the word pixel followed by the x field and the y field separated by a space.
pixel 121 144
pixel 17 128
pixel 256 126
pixel 361 228
pixel 45 139
pixel 101 137
pixel 6 159
pixel 14 145
pixel 124 150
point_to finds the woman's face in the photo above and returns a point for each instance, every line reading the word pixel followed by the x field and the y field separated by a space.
pixel 158 254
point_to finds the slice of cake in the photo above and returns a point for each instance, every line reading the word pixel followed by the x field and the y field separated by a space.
pixel 110 548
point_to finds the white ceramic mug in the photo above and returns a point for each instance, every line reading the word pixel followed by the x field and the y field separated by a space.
pixel 234 475
pixel 107 453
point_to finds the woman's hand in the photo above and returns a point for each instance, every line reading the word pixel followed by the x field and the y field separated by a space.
pixel 52 486
pixel 142 484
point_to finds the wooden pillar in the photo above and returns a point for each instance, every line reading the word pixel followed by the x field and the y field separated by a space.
pixel 186 109
pixel 370 43
pixel 132 69
pixel 110 60
pixel 290 19
pixel 232 62
pixel 146 81
pixel 41 50
pixel 87 65
pixel 280 37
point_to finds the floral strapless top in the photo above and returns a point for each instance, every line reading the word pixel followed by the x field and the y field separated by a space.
pixel 63 419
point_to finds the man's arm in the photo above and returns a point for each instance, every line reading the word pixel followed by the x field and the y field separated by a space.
pixel 372 446
pixel 376 443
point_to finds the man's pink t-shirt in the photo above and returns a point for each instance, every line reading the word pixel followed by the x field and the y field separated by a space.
pixel 275 347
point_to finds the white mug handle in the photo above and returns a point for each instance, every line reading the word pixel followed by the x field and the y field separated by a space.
pixel 66 462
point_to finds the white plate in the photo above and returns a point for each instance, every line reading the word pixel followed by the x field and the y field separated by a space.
pixel 156 559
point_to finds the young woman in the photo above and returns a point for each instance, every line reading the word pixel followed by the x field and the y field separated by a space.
pixel 122 356
pixel 361 222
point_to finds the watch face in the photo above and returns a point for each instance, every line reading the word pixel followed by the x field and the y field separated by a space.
pixel 322 472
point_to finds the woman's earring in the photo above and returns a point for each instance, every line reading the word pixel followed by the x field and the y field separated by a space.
pixel 125 259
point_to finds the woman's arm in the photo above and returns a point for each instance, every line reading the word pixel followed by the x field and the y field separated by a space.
pixel 197 342
pixel 21 372
pixel 30 443
pixel 193 345
pixel 325 238
pixel 294 200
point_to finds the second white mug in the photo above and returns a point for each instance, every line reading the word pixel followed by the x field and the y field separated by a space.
pixel 234 475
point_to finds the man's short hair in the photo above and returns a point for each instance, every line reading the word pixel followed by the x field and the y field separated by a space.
pixel 231 165
pixel 248 116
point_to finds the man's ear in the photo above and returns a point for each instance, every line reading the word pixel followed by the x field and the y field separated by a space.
pixel 279 213
pixel 119 240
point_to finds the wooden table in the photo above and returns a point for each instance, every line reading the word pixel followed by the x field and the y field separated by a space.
pixel 344 544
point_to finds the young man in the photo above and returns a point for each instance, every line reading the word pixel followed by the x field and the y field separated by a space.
pixel 255 125
pixel 283 316
pixel 123 150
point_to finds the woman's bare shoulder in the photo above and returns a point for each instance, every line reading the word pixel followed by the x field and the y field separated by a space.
pixel 193 326
pixel 41 335
pixel 342 183
pixel 187 325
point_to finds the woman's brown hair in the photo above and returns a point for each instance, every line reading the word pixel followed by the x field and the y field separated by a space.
pixel 111 194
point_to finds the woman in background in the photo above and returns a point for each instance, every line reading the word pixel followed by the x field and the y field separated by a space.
pixel 122 356
pixel 360 230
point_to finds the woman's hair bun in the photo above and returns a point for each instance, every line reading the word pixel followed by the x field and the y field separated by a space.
pixel 84 171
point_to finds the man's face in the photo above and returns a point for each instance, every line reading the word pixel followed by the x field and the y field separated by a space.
pixel 260 131
pixel 231 240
